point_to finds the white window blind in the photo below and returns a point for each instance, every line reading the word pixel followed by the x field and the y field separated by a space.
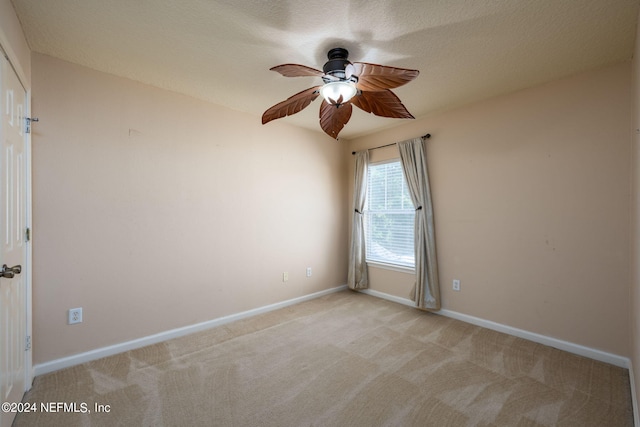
pixel 389 216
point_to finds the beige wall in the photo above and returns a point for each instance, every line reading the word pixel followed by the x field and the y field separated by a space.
pixel 635 222
pixel 13 40
pixel 153 210
pixel 531 196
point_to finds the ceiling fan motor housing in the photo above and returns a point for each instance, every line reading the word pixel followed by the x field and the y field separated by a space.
pixel 337 62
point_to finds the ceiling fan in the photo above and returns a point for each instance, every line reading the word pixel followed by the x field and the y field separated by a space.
pixel 367 86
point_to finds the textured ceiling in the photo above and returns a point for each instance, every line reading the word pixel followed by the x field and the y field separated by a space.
pixel 221 50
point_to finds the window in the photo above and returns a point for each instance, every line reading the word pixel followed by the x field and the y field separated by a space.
pixel 389 216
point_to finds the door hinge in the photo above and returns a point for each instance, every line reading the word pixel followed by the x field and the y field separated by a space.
pixel 28 343
pixel 27 234
pixel 27 123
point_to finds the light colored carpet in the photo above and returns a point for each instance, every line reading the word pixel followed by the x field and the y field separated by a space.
pixel 346 359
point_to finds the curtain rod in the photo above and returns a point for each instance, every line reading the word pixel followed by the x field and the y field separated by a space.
pixel 427 136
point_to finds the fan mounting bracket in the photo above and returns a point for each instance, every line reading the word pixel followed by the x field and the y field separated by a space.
pixel 337 62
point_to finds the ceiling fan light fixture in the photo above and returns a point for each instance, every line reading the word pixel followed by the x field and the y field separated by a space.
pixel 332 91
pixel 360 84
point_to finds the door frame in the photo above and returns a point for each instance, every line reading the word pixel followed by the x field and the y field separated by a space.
pixel 7 51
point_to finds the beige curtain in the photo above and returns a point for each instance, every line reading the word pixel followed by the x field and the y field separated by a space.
pixel 357 276
pixel 426 292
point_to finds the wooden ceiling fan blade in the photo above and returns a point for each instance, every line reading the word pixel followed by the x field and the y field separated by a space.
pixel 296 70
pixel 374 77
pixel 382 103
pixel 333 117
pixel 291 105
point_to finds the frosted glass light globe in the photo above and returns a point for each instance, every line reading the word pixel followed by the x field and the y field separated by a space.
pixel 332 91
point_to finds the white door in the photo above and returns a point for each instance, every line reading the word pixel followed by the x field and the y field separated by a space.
pixel 13 253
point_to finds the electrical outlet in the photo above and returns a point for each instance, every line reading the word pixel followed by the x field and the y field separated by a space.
pixel 285 276
pixel 75 315
pixel 308 271
pixel 456 284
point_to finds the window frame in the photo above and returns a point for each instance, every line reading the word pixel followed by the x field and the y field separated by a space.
pixel 377 263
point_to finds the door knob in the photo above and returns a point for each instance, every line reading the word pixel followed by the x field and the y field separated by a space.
pixel 9 272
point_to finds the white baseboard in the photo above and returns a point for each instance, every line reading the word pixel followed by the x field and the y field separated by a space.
pixel 76 359
pixel 388 297
pixel 634 397
pixel 591 353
